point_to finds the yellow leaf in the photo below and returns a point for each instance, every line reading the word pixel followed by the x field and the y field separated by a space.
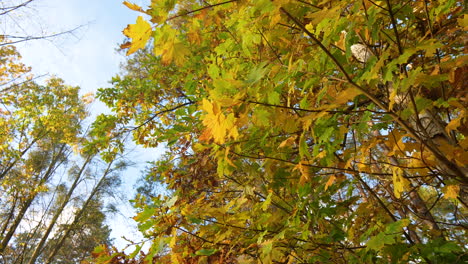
pixel 194 37
pixel 321 155
pixel 174 51
pixel 453 125
pixel 208 107
pixel 310 28
pixel 347 95
pixel 362 167
pixel 330 181
pixel 133 6
pixel 174 257
pixel 341 43
pixel 392 97
pixel 140 33
pixel 288 142
pixel 218 126
pixel 76 149
pixel 304 170
pixel 463 22
pixel 173 240
pixel 399 182
pixel 451 191
pixel 227 158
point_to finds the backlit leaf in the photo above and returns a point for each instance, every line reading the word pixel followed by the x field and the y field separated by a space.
pixel 330 181
pixel 451 191
pixel 140 33
pixel 133 6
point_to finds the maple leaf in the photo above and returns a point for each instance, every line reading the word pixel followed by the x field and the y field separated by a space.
pixel 291 98
pixel 140 33
pixel 172 50
pixel 218 126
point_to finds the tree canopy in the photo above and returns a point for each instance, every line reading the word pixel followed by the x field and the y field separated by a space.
pixel 298 131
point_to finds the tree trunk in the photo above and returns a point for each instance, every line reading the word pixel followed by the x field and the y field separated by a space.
pixel 45 236
pixel 69 228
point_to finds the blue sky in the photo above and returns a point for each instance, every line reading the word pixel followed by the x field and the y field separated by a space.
pixel 85 58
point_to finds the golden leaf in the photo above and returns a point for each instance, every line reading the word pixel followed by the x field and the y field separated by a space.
pixel 347 95
pixel 453 125
pixel 463 21
pixel 288 142
pixel 140 33
pixel 226 158
pixel 133 6
pixel 330 181
pixel 392 97
pixel 218 126
pixel 172 50
pixel 341 43
pixel 451 191
pixel 304 170
pixel 399 182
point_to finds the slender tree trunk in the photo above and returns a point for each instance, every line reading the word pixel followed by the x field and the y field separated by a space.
pixel 21 252
pixel 14 226
pixel 45 236
pixel 70 227
pixel 25 206
pixel 416 202
pixel 12 164
pixel 10 216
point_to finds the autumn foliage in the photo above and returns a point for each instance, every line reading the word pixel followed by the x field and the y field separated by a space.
pixel 298 131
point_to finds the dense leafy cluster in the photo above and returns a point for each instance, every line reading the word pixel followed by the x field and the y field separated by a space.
pixel 298 131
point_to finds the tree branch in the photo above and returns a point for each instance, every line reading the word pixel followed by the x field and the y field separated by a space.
pixel 430 145
pixel 199 9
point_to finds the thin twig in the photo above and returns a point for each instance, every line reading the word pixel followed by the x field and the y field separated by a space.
pixel 199 9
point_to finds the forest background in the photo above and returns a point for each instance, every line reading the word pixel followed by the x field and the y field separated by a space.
pixel 295 132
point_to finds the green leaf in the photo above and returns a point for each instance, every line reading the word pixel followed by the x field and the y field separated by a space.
pixel 172 201
pixel 376 242
pixel 274 98
pixel 267 201
pixel 136 251
pixel 423 103
pixel 303 147
pixel 145 214
pixel 257 73
pixel 397 226
pixel 206 252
